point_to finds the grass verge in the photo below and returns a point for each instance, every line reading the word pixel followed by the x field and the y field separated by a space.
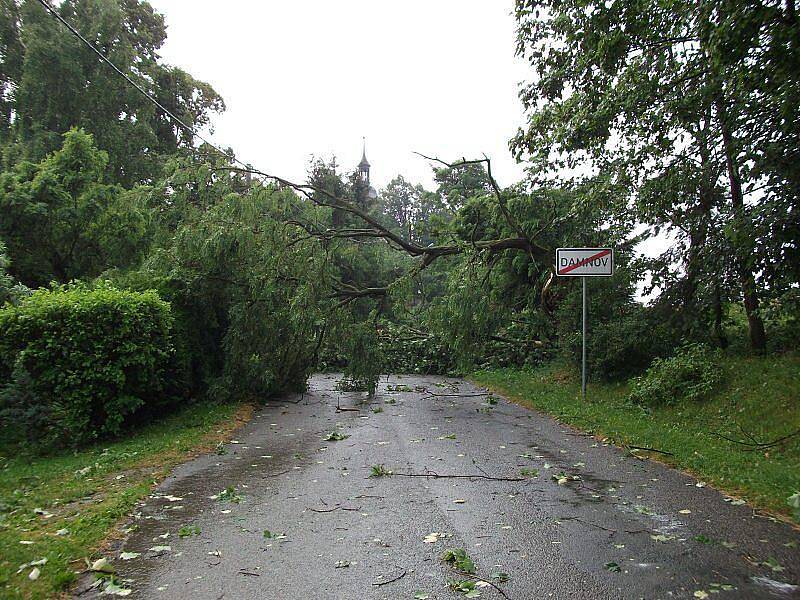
pixel 63 507
pixel 760 397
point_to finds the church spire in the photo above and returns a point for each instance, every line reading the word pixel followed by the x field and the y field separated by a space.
pixel 363 172
pixel 363 166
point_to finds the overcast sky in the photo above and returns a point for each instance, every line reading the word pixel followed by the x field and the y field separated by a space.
pixel 307 77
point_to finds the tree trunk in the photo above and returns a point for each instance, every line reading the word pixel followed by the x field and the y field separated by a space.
pixel 716 300
pixel 758 338
pixel 699 231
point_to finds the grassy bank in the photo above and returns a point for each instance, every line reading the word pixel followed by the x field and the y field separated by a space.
pixel 760 397
pixel 63 507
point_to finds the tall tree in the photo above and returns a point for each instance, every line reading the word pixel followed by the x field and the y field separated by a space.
pixel 47 57
pixel 646 92
pixel 400 201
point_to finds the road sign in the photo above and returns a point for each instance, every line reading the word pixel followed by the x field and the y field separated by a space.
pixel 584 262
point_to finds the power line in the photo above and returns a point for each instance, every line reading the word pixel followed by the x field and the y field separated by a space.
pixel 304 189
pixel 141 90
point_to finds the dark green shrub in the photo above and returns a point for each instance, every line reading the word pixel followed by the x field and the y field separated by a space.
pixel 77 362
pixel 626 345
pixel 691 374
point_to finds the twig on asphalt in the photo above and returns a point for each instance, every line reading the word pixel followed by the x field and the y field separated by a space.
pixel 278 474
pixel 380 583
pixel 579 520
pixel 243 572
pixel 328 510
pixel 434 475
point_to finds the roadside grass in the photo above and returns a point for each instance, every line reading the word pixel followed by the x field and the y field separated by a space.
pixel 88 492
pixel 760 397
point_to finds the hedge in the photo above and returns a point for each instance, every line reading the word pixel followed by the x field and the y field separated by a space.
pixel 76 363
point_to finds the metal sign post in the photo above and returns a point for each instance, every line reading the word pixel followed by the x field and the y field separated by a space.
pixel 583 338
pixel 583 263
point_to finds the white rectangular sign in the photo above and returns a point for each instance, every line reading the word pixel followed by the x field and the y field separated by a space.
pixel 584 262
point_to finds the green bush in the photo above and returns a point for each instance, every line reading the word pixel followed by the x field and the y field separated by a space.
pixel 76 362
pixel 627 345
pixel 691 374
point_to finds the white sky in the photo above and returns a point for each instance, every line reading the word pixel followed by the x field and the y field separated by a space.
pixel 307 77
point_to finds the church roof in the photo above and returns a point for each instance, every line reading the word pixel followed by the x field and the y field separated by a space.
pixel 364 162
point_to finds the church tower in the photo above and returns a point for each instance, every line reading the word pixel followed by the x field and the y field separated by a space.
pixel 363 173
pixel 363 166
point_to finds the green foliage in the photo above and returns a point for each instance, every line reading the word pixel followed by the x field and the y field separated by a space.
pixel 250 293
pixel 77 362
pixel 188 531
pixel 365 361
pixel 626 344
pixel 407 349
pixel 229 494
pixel 459 558
pixel 10 290
pixel 678 108
pixel 466 587
pixel 689 375
pixel 60 219
pixel 44 56
pixel 380 471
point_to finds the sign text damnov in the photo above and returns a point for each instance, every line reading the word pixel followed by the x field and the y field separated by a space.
pixel 584 262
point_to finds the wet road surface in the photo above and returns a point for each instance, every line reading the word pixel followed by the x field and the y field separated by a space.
pixel 608 525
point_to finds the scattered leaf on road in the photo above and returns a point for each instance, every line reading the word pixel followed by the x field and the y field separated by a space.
pixel 613 567
pixel 129 555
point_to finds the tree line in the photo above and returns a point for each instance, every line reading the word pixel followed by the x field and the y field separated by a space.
pixel 643 120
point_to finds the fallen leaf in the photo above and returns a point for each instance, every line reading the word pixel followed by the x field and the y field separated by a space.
pixel 129 555
pixel 613 567
pixel 112 589
pixel 101 565
pixel 773 564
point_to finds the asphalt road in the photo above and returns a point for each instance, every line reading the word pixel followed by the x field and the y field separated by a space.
pixel 339 534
